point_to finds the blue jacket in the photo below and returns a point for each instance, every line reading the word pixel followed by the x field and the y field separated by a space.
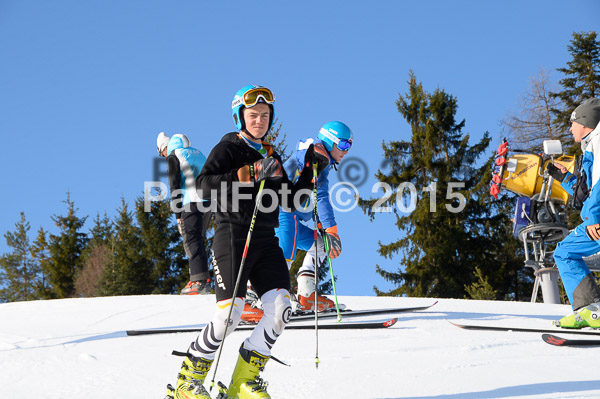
pixel 590 145
pixel 184 166
pixel 293 167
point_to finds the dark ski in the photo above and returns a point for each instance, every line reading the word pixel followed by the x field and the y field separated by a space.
pixel 296 318
pixel 328 326
pixel 355 313
pixel 548 330
pixel 559 341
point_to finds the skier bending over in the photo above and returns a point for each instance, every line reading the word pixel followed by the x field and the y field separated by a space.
pixel 580 284
pixel 234 168
pixel 184 164
pixel 333 143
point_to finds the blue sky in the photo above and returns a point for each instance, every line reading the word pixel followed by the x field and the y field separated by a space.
pixel 85 87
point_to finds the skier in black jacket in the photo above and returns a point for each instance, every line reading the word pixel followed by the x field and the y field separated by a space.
pixel 230 179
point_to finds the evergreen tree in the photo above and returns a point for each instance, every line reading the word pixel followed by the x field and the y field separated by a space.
pixel 18 271
pixel 65 251
pixel 160 239
pixel 453 231
pixel 129 273
pixel 481 289
pixel 102 232
pixel 582 76
pixel 40 254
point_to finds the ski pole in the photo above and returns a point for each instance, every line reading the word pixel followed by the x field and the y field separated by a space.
pixel 239 278
pixel 337 306
pixel 316 263
pixel 316 217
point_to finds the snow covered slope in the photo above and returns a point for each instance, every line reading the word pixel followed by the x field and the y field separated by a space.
pixel 77 348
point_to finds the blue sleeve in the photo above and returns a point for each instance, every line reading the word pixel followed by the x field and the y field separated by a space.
pixel 568 183
pixel 291 169
pixel 324 207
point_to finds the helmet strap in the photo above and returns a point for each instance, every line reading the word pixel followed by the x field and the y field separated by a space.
pixel 244 130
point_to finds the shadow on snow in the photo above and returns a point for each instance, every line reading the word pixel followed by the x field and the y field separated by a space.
pixel 520 390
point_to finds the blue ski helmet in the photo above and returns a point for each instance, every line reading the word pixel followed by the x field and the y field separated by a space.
pixel 178 141
pixel 336 133
pixel 248 97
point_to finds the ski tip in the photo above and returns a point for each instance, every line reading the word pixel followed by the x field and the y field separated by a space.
pixel 558 341
pixel 553 339
pixel 462 326
pixel 390 322
pixel 454 324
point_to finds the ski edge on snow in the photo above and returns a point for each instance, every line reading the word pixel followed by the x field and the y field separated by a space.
pixel 330 326
pixel 547 330
pixel 292 325
pixel 336 326
pixel 365 312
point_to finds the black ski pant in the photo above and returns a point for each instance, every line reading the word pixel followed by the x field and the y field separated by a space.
pixel 265 265
pixel 192 230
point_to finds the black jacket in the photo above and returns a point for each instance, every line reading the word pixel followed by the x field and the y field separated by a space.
pixel 174 173
pixel 219 174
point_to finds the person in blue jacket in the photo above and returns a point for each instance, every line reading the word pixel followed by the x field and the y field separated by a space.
pixel 184 164
pixel 333 143
pixel 580 284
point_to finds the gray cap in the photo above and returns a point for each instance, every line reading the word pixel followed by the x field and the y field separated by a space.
pixel 588 113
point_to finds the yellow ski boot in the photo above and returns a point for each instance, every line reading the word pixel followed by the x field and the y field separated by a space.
pixel 245 381
pixel 191 377
pixel 588 316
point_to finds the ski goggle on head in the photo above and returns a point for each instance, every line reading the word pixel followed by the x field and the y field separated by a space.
pixel 341 144
pixel 252 97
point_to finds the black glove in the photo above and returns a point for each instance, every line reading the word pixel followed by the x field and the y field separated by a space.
pixel 555 172
pixel 268 168
pixel 316 153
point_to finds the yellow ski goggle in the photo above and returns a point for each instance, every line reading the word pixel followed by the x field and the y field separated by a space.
pixel 251 97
